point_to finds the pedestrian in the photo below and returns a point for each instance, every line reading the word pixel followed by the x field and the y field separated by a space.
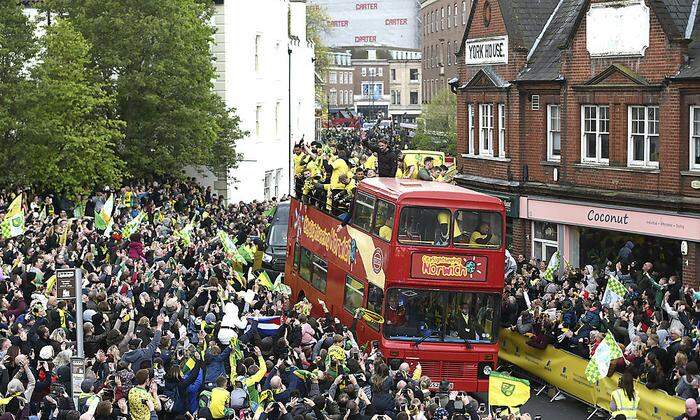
pixel 624 400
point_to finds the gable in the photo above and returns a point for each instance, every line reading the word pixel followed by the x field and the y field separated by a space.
pixel 617 75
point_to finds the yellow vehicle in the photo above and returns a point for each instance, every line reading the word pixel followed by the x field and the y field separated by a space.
pixel 413 156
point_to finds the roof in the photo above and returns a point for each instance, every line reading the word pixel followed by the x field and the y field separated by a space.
pixel 525 19
pixel 545 57
pixel 397 190
pixel 692 68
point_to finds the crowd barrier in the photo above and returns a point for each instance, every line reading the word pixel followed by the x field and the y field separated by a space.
pixel 566 372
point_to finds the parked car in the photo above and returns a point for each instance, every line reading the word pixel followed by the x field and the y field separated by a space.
pixel 276 242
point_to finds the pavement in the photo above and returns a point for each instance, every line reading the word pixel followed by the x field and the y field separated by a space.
pixel 568 408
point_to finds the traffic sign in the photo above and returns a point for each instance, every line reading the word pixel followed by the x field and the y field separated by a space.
pixel 65 282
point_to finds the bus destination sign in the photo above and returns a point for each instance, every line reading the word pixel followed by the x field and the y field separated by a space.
pixel 448 267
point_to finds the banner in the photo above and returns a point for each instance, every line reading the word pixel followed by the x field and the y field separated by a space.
pixel 567 372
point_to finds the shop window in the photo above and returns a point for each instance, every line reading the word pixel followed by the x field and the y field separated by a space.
pixel 354 292
pixel 544 240
pixel 553 133
pixel 643 140
pixel 364 208
pixel 375 300
pixel 320 272
pixel 486 129
pixel 595 132
pixel 384 220
pixel 694 138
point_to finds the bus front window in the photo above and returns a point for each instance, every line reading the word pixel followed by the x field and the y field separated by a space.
pixel 477 229
pixel 441 316
pixel 424 226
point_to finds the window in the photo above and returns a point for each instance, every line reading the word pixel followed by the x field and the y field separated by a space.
pixel 354 293
pixel 258 46
pixel 333 97
pixel 553 133
pixel 535 99
pixel 319 273
pixel 694 138
pixel 258 121
pixel 643 143
pixel 396 97
pixel 332 77
pixel 297 255
pixel 350 78
pixel 384 220
pixel 413 75
pixel 372 72
pixel 393 74
pixel 442 18
pixel 305 265
pixel 486 129
pixel 364 71
pixel 470 140
pixel 364 208
pixel 268 184
pixel 278 181
pixel 464 13
pixel 477 229
pixel 502 130
pixel 424 226
pixel 449 53
pixel 414 97
pixel 372 90
pixel 595 122
pixel 380 72
pixel 454 15
pixel 418 314
pixel 448 17
pixel 375 300
pixel 544 240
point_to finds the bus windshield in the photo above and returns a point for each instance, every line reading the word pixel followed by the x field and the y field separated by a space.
pixel 477 229
pixel 441 316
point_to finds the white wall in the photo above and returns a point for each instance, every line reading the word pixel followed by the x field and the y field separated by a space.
pixel 263 94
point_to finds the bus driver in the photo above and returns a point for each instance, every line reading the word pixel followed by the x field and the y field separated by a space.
pixel 465 326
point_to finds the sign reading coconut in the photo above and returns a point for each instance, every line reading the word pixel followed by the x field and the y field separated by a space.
pixel 481 51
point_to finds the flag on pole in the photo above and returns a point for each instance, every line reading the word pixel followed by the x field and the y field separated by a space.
pixel 132 226
pixel 552 267
pixel 185 234
pixel 103 218
pixel 265 281
pixel 13 223
pixel 277 286
pixel 614 292
pixel 244 252
pixel 505 390
pixel 599 364
pixel 226 241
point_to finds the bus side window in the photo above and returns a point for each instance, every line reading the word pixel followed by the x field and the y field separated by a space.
pixel 384 220
pixel 354 292
pixel 297 255
pixel 320 271
pixel 364 208
pixel 305 265
pixel 375 300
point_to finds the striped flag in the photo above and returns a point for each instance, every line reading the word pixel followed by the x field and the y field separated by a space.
pixel 614 292
pixel 599 364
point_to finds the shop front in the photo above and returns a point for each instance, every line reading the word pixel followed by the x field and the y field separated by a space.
pixel 593 234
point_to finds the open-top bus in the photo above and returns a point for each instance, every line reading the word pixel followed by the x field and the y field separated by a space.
pixel 427 256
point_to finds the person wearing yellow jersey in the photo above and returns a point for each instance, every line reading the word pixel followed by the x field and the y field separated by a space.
pixel 624 400
pixel 338 167
pixel 220 398
pixel 442 235
pixel 482 235
pixel 300 160
pixel 371 162
pixel 143 396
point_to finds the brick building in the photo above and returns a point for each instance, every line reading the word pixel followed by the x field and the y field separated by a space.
pixel 338 86
pixel 584 116
pixel 443 23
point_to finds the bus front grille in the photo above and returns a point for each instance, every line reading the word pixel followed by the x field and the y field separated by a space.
pixel 437 370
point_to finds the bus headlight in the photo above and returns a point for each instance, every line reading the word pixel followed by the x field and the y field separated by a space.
pixel 487 370
pixel 484 369
pixel 267 258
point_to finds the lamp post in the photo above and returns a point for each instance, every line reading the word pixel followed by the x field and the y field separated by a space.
pixel 289 120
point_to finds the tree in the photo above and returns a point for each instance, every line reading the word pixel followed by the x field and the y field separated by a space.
pixel 67 136
pixel 317 25
pixel 155 54
pixel 17 48
pixel 437 129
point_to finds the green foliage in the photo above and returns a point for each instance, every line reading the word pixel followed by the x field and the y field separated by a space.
pixel 17 47
pixel 318 24
pixel 67 135
pixel 437 128
pixel 155 56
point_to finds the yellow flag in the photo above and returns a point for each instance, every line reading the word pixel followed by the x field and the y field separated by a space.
pixel 507 391
pixel 265 280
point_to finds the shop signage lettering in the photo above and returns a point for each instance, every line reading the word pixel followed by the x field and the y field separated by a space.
pixel 596 216
pixel 448 267
pixel 487 51
pixel 396 22
pixel 339 23
pixel 328 239
pixel 366 6
pixel 365 38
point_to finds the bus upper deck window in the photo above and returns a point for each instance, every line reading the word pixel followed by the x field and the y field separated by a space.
pixel 384 220
pixel 362 215
pixel 477 229
pixel 424 226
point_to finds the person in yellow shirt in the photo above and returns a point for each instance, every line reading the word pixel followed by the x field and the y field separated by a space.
pixel 141 395
pixel 482 235
pixel 220 398
pixel 300 159
pixel 371 162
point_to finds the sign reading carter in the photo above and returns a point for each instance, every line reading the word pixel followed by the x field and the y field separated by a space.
pixel 492 50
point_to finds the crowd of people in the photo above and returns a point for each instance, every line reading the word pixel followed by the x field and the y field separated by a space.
pixel 655 323
pixel 175 325
pixel 327 171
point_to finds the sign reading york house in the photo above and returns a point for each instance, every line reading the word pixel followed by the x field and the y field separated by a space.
pixel 492 50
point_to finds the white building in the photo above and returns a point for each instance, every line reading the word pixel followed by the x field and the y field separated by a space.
pixel 259 47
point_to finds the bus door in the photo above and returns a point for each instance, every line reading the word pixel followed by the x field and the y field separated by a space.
pixel 369 296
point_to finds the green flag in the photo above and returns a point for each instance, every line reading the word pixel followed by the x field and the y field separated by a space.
pixel 13 223
pixel 226 241
pixel 245 253
pixel 132 226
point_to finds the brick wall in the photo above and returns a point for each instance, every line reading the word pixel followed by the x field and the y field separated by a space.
pixel 691 265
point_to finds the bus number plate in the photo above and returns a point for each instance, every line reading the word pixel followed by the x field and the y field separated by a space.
pixel 437 385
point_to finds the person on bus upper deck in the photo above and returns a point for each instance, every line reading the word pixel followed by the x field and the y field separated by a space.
pixel 424 173
pixel 482 235
pixel 386 158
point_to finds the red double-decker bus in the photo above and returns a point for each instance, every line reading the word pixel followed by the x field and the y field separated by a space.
pixel 428 257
